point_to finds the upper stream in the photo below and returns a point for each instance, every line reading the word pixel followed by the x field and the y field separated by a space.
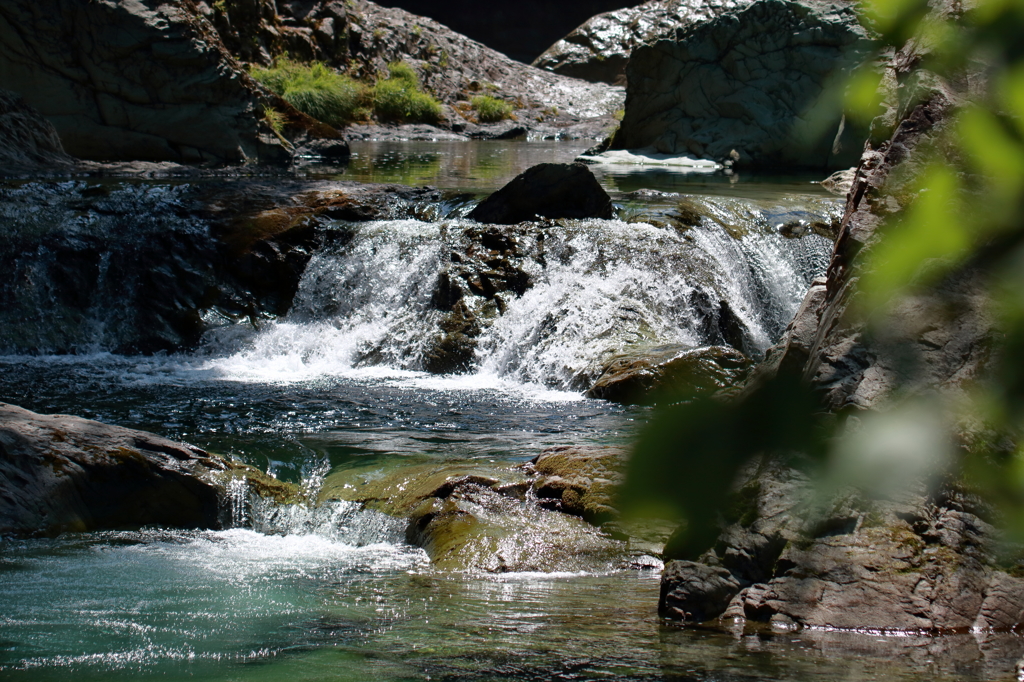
pixel 339 382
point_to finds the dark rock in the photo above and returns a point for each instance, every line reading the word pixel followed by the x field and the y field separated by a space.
pixel 599 49
pixel 691 591
pixel 328 150
pixel 133 80
pixel 28 142
pixel 142 268
pixel 672 371
pixel 61 473
pixel 743 87
pixel 549 190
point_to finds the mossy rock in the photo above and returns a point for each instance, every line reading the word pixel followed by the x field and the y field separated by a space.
pixel 260 483
pixel 643 375
pixel 478 516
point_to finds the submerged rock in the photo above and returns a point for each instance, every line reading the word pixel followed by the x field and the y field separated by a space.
pixel 62 473
pixel 600 49
pixel 638 377
pixel 742 87
pixel 548 190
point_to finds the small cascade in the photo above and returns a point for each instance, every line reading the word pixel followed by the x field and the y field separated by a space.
pixel 544 303
pixel 335 520
pixel 238 502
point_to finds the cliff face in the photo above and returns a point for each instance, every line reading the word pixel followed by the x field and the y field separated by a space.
pixel 363 37
pixel 28 142
pixel 600 48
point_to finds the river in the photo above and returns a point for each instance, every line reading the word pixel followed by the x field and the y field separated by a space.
pixel 336 593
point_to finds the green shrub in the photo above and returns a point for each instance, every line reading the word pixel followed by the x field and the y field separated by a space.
pixel 399 98
pixel 316 90
pixel 491 109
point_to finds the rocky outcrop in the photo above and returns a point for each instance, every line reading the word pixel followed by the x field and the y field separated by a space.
pixel 599 49
pixel 145 80
pixel 195 257
pixel 362 38
pixel 926 562
pixel 745 87
pixel 671 372
pixel 28 142
pixel 61 473
pixel 549 190
pixel 521 29
pixel 923 557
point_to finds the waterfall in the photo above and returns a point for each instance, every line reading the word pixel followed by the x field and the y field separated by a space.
pixel 542 303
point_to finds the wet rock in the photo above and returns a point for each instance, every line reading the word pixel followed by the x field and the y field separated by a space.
pixel 134 80
pixel 600 48
pixel 327 150
pixel 479 517
pixel 921 561
pixel 549 190
pixel 638 377
pixel 61 473
pixel 691 591
pixel 579 480
pixel 740 87
pixel 28 142
pixel 840 182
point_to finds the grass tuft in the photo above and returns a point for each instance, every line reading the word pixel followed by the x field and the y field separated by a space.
pixel 399 99
pixel 316 90
pixel 491 109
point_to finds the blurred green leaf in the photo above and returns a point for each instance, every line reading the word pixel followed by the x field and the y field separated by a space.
pixel 688 457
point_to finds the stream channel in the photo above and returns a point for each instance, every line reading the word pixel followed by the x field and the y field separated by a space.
pixel 337 594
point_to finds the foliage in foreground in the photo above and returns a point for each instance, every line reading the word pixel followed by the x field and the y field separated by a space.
pixel 966 210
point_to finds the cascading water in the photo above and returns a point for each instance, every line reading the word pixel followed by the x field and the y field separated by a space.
pixel 541 304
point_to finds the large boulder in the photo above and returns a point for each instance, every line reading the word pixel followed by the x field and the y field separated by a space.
pixel 748 86
pixel 28 142
pixel 62 473
pixel 600 48
pixel 548 190
pixel 133 79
